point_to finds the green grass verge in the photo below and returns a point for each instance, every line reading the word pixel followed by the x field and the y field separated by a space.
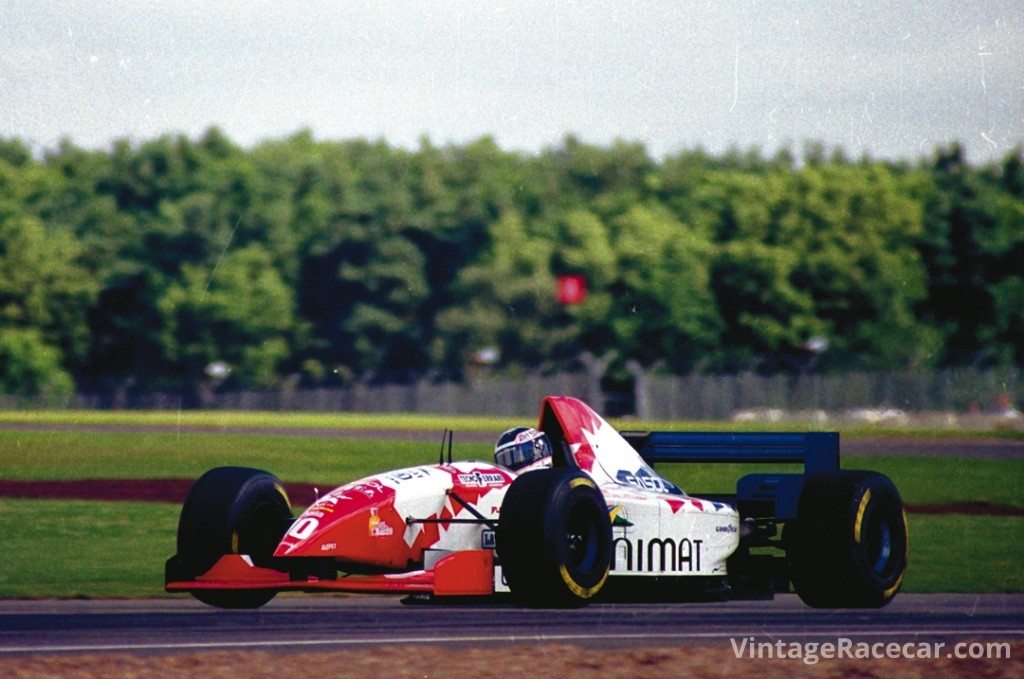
pixel 72 455
pixel 98 550
pixel 950 553
pixel 218 419
pixel 920 480
pixel 93 549
pixel 84 549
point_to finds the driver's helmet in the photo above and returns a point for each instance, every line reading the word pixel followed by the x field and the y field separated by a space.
pixel 521 446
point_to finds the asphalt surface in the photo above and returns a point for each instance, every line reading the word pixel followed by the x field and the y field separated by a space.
pixel 303 623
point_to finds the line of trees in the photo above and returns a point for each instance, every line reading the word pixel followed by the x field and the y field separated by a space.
pixel 314 262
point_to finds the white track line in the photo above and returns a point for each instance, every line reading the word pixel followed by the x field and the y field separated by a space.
pixel 533 639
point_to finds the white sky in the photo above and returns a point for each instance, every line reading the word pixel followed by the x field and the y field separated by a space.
pixel 890 79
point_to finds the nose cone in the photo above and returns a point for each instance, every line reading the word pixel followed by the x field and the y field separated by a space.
pixel 355 523
pixel 365 522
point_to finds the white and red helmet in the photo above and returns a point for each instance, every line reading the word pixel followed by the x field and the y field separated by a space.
pixel 521 446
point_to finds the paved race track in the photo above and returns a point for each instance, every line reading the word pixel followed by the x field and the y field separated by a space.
pixel 335 622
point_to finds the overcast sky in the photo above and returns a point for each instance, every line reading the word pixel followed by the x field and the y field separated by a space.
pixel 890 79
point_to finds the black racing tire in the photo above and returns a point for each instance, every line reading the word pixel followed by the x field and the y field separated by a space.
pixel 848 546
pixel 232 510
pixel 554 538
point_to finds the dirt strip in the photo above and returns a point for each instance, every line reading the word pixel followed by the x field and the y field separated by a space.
pixel 302 494
pixel 716 659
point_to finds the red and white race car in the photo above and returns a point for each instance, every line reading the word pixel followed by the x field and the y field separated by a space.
pixel 593 519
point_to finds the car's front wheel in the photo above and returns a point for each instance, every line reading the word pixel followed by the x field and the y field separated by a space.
pixel 231 510
pixel 554 538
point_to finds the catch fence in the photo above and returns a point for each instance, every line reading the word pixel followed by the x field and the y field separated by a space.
pixel 692 397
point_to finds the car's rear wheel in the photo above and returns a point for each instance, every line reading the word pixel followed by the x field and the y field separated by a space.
pixel 231 510
pixel 554 538
pixel 848 546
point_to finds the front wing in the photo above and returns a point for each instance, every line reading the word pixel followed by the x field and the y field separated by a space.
pixel 464 573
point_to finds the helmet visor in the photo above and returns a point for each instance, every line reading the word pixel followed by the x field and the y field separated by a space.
pixel 520 452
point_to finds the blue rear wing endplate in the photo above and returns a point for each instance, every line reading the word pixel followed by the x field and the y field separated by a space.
pixel 770 495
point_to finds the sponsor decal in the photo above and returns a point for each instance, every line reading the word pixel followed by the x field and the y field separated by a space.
pixel 408 475
pixel 528 435
pixel 730 528
pixel 487 539
pixel 617 514
pixel 327 503
pixel 370 489
pixel 482 479
pixel 645 480
pixel 662 555
pixel 303 528
pixel 500 581
pixel 328 546
pixel 379 528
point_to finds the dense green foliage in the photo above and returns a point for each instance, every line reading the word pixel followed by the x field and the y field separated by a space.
pixel 321 263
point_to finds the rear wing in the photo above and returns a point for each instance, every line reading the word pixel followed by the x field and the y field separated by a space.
pixel 768 495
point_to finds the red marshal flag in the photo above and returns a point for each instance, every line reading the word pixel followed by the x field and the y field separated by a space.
pixel 572 289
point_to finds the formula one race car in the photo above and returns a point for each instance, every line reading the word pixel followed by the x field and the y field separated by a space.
pixel 592 519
